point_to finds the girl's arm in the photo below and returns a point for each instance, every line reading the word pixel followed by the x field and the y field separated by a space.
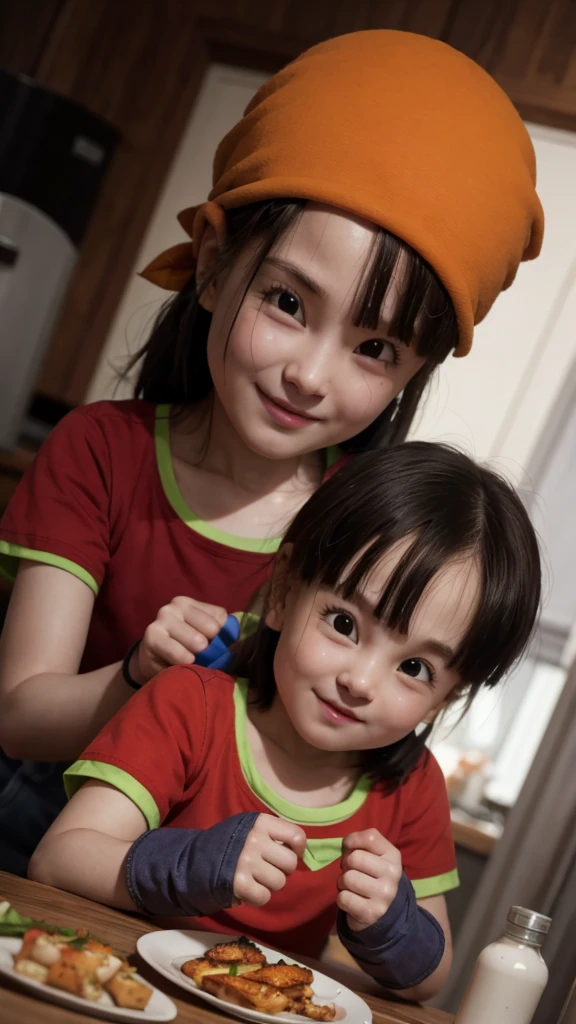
pixel 85 850
pixel 47 710
pixel 435 905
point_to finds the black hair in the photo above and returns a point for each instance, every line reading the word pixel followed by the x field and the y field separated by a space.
pixel 448 507
pixel 174 363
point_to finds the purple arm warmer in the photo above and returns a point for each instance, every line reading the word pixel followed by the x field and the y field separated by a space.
pixel 189 872
pixel 403 947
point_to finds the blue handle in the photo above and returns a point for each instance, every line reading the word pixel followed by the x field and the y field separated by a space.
pixel 217 655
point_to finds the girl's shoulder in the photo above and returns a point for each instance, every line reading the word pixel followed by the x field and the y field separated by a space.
pixel 109 438
pixel 131 415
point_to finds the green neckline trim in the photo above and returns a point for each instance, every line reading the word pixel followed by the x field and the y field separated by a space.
pixel 285 809
pixel 267 545
pixel 436 885
pixel 17 551
pixel 78 772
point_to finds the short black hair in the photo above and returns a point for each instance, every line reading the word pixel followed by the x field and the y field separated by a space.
pixel 174 363
pixel 449 507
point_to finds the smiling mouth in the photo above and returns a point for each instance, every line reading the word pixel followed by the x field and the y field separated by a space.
pixel 291 410
pixel 335 713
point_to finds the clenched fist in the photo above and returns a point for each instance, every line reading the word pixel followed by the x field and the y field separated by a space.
pixel 180 630
pixel 270 854
pixel 371 873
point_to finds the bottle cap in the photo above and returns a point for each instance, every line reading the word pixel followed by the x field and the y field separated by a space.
pixel 527 925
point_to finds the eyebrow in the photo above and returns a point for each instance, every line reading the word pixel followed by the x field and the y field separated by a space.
pixel 294 271
pixel 443 651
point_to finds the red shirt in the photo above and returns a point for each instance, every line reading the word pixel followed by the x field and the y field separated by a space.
pixel 102 502
pixel 171 750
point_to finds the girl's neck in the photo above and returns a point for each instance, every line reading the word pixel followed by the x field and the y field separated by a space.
pixel 296 771
pixel 206 438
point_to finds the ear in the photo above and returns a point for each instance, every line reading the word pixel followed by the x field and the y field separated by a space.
pixel 205 267
pixel 274 617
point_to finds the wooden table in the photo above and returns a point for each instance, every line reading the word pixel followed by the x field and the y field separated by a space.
pixel 122 931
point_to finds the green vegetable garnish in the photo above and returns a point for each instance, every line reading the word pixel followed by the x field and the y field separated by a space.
pixel 233 970
pixel 15 925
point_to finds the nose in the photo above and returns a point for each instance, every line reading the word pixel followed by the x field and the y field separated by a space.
pixel 309 370
pixel 361 680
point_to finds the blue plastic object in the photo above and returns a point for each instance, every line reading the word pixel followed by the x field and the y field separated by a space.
pixel 217 655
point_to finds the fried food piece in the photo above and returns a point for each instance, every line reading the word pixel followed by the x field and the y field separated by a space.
pixel 237 951
pixel 75 972
pixel 196 969
pixel 128 992
pixel 282 975
pixel 315 1012
pixel 251 994
pixel 30 969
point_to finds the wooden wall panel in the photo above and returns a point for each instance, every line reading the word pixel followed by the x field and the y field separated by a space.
pixel 25 30
pixel 138 63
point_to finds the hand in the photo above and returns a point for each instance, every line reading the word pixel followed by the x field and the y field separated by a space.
pixel 180 630
pixel 371 873
pixel 270 854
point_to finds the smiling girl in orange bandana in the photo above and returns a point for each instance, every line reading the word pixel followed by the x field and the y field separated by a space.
pixel 366 211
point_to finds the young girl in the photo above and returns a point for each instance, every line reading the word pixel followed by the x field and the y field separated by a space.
pixel 408 580
pixel 366 212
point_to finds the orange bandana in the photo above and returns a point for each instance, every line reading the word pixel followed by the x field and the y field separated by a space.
pixel 403 131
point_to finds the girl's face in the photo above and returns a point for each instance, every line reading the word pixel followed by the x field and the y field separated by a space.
pixel 346 681
pixel 291 371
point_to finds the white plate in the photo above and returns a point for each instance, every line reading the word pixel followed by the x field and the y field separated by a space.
pixel 160 1007
pixel 166 951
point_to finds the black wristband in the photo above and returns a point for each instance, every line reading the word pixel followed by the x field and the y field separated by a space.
pixel 126 668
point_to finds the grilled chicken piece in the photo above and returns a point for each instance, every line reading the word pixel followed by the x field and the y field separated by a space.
pixel 282 975
pixel 237 951
pixel 199 968
pixel 316 1012
pixel 251 994
pixel 128 992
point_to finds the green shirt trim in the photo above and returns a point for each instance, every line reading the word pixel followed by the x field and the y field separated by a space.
pixel 11 553
pixel 267 545
pixel 261 789
pixel 424 887
pixel 134 790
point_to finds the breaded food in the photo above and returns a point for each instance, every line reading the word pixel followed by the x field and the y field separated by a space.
pixel 31 969
pixel 282 975
pixel 237 951
pixel 126 991
pixel 195 969
pixel 75 972
pixel 315 1012
pixel 241 992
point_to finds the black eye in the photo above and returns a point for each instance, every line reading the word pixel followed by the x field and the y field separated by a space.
pixel 344 624
pixel 382 351
pixel 288 303
pixel 416 669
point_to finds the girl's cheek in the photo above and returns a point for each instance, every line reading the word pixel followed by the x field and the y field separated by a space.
pixel 366 396
pixel 404 708
pixel 255 340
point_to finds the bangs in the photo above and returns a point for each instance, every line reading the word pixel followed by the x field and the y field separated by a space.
pixel 424 312
pixel 446 510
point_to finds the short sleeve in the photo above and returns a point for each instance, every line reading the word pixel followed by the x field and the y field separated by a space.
pixel 150 750
pixel 60 511
pixel 426 842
